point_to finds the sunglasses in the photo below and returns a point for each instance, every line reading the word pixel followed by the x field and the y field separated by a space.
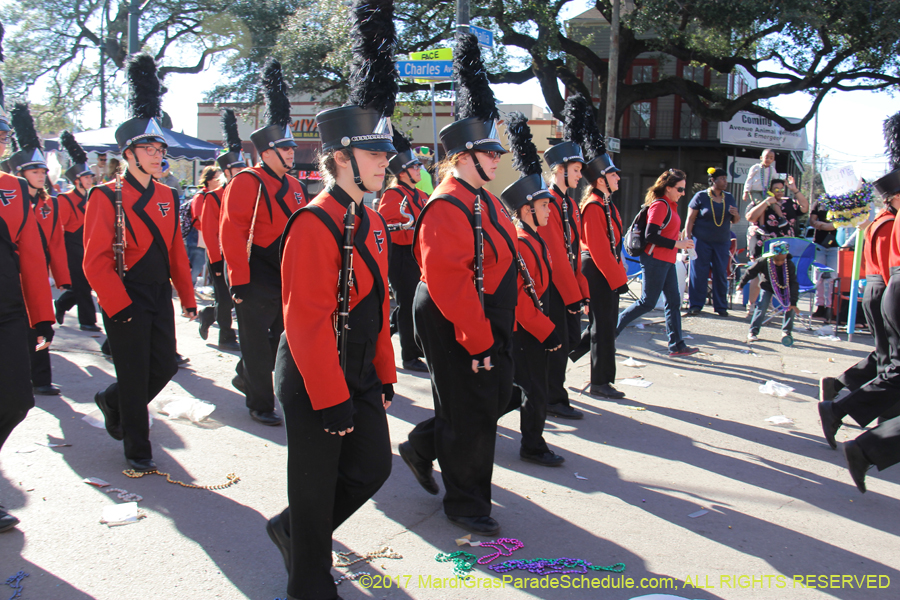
pixel 492 154
pixel 680 190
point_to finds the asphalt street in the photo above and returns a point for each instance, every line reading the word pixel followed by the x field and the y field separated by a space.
pixel 782 517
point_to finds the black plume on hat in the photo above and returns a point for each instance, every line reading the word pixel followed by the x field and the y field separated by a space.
pixel 575 112
pixel 401 142
pixel 23 123
pixel 892 140
pixel 373 75
pixel 525 157
pixel 278 106
pixel 13 143
pixel 592 141
pixel 145 93
pixel 475 96
pixel 230 131
pixel 76 152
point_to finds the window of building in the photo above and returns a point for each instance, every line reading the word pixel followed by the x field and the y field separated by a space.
pixel 641 115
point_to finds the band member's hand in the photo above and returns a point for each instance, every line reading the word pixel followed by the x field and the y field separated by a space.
pixel 44 331
pixel 338 419
pixel 485 358
pixel 552 343
pixel 586 306
pixel 622 290
pixel 190 313
pixel 387 394
pixel 65 286
pixel 217 267
pixel 124 315
pixel 238 292
pixel 574 308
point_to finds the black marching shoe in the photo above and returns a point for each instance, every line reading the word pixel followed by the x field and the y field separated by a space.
pixel 280 539
pixel 826 389
pixel 421 468
pixel 857 463
pixel 266 417
pixel 486 526
pixel 548 458
pixel 238 382
pixel 89 327
pixel 606 391
pixel 7 521
pixel 113 425
pixel 60 314
pixel 830 423
pixel 722 312
pixel 564 411
pixel 142 465
pixel 207 318
pixel 46 390
pixel 181 361
pixel 415 365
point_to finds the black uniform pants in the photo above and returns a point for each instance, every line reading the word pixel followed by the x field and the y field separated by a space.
pixel 603 317
pixel 143 351
pixel 463 432
pixel 404 275
pixel 881 444
pixel 15 373
pixel 222 304
pixel 883 392
pixel 260 325
pixel 557 361
pixel 868 368
pixel 40 362
pixel 80 293
pixel 529 392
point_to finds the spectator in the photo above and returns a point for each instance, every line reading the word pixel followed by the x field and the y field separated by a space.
pixel 826 236
pixel 99 168
pixel 778 278
pixel 166 177
pixel 710 228
pixel 115 167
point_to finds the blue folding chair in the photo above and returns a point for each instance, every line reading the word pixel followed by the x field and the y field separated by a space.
pixel 634 271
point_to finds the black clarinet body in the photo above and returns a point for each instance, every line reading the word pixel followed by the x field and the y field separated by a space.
pixel 567 232
pixel 479 251
pixel 119 244
pixel 345 280
pixel 529 282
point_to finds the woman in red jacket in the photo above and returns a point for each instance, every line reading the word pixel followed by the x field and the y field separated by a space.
pixel 658 259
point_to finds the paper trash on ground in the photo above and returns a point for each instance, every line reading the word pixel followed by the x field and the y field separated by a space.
pixel 183 407
pixel 780 420
pixel 773 388
pixel 95 481
pixel 120 514
pixel 630 362
pixel 699 513
pixel 642 383
pixel 825 330
pixel 577 476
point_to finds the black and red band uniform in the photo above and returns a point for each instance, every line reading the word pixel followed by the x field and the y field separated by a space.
pixel 567 289
pixel 72 206
pixel 534 336
pixel 879 397
pixel 25 299
pixel 209 227
pixel 404 272
pixel 143 348
pixel 49 219
pixel 454 329
pixel 602 267
pixel 331 476
pixel 257 281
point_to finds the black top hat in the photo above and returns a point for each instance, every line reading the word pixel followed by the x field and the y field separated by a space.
pixel 27 159
pixel 4 166
pixel 404 158
pixel 78 156
pixel 232 154
pixel 563 152
pixel 889 185
pixel 357 127
pixel 144 100
pixel 277 132
pixel 523 191
pixel 530 186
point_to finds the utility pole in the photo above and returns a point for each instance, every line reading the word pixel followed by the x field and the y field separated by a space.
pixel 134 17
pixel 462 16
pixel 812 177
pixel 613 78
pixel 104 16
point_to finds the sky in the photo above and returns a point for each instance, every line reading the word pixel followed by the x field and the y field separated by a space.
pixel 849 130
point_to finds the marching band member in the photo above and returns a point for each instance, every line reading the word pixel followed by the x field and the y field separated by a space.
pixel 335 394
pixel 138 315
pixel 29 163
pixel 400 205
pixel 465 329
pixel 256 207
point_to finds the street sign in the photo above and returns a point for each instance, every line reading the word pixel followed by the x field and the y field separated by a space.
pixel 434 54
pixel 485 36
pixel 613 145
pixel 434 70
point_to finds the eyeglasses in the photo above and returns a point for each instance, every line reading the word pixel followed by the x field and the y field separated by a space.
pixel 680 190
pixel 4 137
pixel 153 150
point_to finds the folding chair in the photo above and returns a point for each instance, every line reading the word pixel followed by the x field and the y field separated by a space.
pixel 634 271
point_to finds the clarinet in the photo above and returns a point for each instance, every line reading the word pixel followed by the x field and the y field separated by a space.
pixel 410 220
pixel 342 320
pixel 119 244
pixel 529 282
pixel 567 232
pixel 479 251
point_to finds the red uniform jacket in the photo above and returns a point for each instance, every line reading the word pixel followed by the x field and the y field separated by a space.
pixel 310 269
pixel 71 209
pixel 571 285
pixel 389 207
pixel 595 239
pixel 877 250
pixel 23 266
pixel 49 219
pixel 209 224
pixel 197 209
pixel 277 202
pixel 445 250
pixel 539 263
pixel 156 207
pixel 657 215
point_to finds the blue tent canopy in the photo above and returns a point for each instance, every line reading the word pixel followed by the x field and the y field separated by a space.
pixel 180 145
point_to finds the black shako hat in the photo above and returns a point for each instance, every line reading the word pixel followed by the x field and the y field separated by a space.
pixel 144 101
pixel 562 153
pixel 581 128
pixel 530 186
pixel 232 156
pixel 77 155
pixel 404 158
pixel 477 126
pixel 277 132
pixel 889 184
pixel 365 122
pixel 30 154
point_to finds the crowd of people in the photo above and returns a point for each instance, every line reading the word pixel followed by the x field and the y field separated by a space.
pixel 489 292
